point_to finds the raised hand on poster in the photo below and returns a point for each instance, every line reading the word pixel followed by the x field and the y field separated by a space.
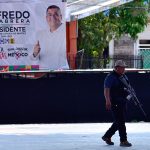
pixel 36 49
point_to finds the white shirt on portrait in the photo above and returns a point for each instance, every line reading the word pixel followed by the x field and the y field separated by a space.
pixel 53 49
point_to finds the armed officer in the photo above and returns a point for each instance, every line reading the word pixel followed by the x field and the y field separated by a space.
pixel 115 96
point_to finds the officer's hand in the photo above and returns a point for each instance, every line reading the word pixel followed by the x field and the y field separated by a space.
pixel 108 105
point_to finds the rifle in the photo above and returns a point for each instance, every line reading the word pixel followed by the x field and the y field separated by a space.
pixel 131 94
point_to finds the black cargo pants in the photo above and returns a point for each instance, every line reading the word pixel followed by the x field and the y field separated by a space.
pixel 118 111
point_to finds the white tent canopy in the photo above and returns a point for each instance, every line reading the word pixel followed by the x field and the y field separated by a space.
pixel 78 9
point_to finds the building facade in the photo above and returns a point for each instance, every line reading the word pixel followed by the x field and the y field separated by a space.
pixel 135 52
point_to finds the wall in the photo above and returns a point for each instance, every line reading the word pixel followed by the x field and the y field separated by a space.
pixel 145 34
pixel 124 46
pixel 64 97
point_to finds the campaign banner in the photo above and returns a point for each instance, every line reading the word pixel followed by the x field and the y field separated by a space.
pixel 32 35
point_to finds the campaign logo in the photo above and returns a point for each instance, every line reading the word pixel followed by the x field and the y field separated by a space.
pixel 7 41
pixel 3 54
pixel 18 52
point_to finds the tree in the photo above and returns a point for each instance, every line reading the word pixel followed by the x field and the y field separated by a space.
pixel 96 31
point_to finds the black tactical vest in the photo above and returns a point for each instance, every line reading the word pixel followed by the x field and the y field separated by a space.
pixel 117 91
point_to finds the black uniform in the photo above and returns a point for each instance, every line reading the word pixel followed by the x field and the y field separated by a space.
pixel 118 100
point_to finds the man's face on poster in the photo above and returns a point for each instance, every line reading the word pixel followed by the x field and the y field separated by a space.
pixel 54 17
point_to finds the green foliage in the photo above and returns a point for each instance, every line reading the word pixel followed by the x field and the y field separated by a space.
pixel 96 31
pixel 132 18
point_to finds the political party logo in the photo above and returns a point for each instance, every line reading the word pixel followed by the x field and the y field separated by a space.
pixel 7 41
pixel 3 54
pixel 17 52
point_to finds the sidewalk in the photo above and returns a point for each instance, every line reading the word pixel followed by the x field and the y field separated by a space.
pixel 70 137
